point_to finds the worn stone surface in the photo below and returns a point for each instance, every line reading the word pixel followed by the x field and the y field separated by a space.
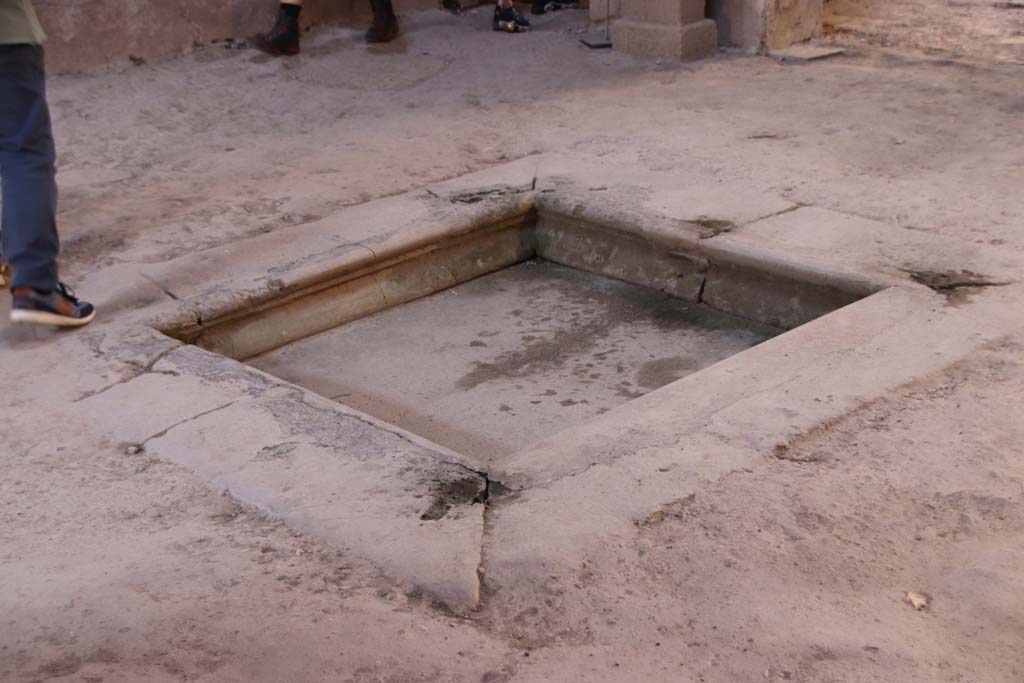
pixel 573 241
pixel 818 235
pixel 358 486
pixel 757 408
pixel 267 265
pixel 359 293
pixel 750 388
pixel 731 560
pixel 129 567
pixel 524 353
pixel 769 299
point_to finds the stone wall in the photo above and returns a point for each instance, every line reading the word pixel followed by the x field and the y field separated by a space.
pixel 83 34
pixel 792 21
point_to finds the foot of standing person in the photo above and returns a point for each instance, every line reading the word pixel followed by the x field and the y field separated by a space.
pixel 59 307
pixel 283 38
pixel 384 28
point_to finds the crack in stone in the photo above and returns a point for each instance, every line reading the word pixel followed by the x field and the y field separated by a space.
pixel 790 209
pixel 142 445
pixel 476 196
pixel 159 286
pixel 144 370
pixel 713 227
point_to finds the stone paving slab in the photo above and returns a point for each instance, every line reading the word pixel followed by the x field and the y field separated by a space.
pixel 825 236
pixel 221 279
pixel 324 469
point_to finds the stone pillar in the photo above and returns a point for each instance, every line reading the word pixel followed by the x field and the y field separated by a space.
pixel 671 29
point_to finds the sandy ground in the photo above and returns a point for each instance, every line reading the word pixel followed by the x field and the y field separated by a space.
pixel 118 567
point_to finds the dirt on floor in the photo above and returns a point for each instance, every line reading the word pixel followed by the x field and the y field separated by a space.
pixel 116 566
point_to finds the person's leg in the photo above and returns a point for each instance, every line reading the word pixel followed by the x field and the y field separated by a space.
pixel 283 38
pixel 29 223
pixel 30 243
pixel 385 23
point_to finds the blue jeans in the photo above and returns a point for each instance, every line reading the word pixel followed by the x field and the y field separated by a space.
pixel 27 156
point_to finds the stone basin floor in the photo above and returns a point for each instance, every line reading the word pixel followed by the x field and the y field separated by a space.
pixel 493 365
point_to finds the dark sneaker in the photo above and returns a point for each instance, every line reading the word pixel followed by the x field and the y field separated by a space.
pixel 510 20
pixel 453 6
pixel 383 30
pixel 283 39
pixel 59 307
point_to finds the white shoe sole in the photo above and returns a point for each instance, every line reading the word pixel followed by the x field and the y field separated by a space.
pixel 44 318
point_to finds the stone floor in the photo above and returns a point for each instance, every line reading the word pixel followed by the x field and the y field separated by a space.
pixel 730 534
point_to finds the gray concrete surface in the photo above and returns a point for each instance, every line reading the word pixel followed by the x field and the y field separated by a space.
pixel 493 365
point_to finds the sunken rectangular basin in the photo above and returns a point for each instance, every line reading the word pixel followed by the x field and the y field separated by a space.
pixel 489 366
pixel 488 338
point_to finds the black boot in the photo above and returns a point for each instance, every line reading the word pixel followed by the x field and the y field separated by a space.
pixel 283 38
pixel 385 23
